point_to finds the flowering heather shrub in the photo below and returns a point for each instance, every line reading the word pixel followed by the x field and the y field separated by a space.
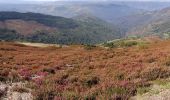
pixel 25 74
pixel 38 81
pixel 39 78
pixel 42 74
pixel 74 73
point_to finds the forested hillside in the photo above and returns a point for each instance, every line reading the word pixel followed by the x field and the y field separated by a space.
pixel 53 29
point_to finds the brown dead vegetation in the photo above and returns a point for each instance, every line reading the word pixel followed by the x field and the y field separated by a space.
pixel 75 72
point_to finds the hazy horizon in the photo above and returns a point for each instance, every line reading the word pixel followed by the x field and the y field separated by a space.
pixel 22 1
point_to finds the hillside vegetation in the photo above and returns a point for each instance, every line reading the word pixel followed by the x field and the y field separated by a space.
pixel 86 72
pixel 149 23
pixel 35 27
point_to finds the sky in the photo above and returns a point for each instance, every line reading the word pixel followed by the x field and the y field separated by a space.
pixel 18 1
pixel 93 0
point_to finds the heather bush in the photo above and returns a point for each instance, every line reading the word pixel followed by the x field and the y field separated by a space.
pixel 90 97
pixel 20 89
pixel 63 80
pixel 14 76
pixel 25 74
pixel 92 81
pixel 73 79
pixel 49 70
pixel 3 79
pixel 70 95
pixel 45 91
pixel 2 93
pixel 116 92
pixel 167 62
pixel 119 76
pixel 4 72
pixel 151 60
pixel 153 73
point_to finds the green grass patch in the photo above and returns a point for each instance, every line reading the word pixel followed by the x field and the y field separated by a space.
pixel 143 90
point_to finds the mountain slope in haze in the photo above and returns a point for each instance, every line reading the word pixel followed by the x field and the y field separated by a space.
pixel 108 11
pixel 153 22
pixel 149 5
pixel 37 27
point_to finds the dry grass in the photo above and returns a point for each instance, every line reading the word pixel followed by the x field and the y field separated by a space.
pixel 77 73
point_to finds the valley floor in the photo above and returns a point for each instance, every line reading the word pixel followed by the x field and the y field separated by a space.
pixel 81 72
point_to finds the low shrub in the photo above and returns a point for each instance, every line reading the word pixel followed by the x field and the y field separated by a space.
pixel 121 43
pixel 110 45
pixel 49 70
pixel 120 93
pixel 63 80
pixel 14 76
pixel 3 79
pixel 90 97
pixel 89 47
pixel 92 81
pixel 71 95
pixel 128 43
pixel 151 60
pixel 143 90
pixel 153 73
pixel 2 93
pixel 143 45
pixel 45 91
pixel 20 89
pixel 119 76
pixel 167 62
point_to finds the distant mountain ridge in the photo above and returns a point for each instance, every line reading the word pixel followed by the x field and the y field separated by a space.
pixel 152 23
pixel 107 11
pixel 84 22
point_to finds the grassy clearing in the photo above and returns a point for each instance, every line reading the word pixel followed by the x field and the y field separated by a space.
pixel 126 43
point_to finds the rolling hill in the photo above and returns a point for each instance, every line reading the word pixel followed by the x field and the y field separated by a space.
pixel 150 23
pixel 107 11
pixel 35 27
